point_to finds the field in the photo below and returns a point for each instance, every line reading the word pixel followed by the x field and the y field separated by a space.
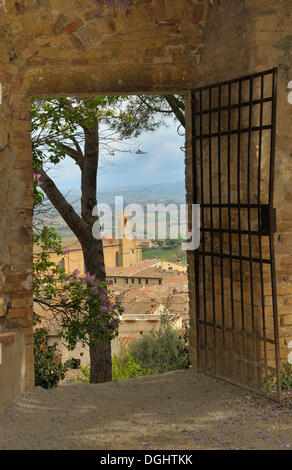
pixel 170 254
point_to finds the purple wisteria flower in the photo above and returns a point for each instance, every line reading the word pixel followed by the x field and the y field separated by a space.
pixel 90 278
pixel 36 177
pixel 122 4
pixel 95 290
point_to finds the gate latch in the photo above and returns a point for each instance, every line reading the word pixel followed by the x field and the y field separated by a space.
pixel 268 219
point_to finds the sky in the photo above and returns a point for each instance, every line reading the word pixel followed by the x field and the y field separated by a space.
pixel 163 163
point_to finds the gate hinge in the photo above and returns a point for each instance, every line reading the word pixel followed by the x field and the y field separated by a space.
pixel 268 219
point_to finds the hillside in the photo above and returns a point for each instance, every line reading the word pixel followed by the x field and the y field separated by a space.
pixel 163 193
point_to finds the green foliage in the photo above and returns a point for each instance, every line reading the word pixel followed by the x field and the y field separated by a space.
pixel 59 122
pixel 46 271
pixel 286 375
pixel 48 366
pixel 124 367
pixel 157 352
pixel 150 112
pixel 162 350
pixel 269 384
pixel 127 368
pixel 86 374
pixel 170 254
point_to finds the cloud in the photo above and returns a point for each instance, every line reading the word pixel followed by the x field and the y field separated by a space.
pixel 164 162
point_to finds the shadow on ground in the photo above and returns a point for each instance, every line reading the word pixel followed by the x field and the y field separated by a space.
pixel 177 410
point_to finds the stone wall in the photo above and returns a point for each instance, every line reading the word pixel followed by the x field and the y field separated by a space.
pixel 226 55
pixel 12 366
pixel 271 27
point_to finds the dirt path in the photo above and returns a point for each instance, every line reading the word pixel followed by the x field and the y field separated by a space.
pixel 178 410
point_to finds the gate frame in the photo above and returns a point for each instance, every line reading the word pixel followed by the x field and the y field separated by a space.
pixel 267 215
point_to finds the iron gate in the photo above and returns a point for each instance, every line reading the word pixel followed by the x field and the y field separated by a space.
pixel 233 169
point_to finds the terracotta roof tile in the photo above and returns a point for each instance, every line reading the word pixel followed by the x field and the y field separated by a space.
pixel 121 271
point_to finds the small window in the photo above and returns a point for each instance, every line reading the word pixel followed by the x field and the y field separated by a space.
pixel 115 280
pixel 133 281
pixel 127 280
pixel 76 363
pixel 147 281
pixel 139 281
pixel 159 282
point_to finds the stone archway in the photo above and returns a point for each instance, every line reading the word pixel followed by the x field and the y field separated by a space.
pixel 76 47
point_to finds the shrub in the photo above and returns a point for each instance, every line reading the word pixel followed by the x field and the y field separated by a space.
pixel 48 366
pixel 162 350
pixel 270 383
pixel 86 374
pixel 127 368
pixel 122 368
pixel 286 375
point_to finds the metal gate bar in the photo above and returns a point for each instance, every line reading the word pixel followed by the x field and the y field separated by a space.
pixel 233 163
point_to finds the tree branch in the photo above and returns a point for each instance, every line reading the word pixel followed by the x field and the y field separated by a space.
pixel 74 154
pixel 89 172
pixel 78 148
pixel 153 108
pixel 72 219
pixel 176 107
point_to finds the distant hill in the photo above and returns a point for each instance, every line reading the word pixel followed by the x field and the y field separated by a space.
pixel 165 193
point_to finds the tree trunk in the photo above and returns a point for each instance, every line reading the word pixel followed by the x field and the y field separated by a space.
pixel 100 352
pixel 100 362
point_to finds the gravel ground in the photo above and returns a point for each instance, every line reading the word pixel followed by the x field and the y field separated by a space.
pixel 177 410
